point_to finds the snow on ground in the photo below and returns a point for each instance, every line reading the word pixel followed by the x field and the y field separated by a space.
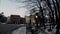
pixel 46 31
pixel 21 30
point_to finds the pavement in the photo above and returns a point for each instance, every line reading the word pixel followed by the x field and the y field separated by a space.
pixel 21 30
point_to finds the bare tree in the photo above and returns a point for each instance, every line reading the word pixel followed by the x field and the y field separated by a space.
pixel 51 7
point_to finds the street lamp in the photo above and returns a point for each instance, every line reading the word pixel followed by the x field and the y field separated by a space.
pixel 36 20
pixel 47 16
pixel 36 17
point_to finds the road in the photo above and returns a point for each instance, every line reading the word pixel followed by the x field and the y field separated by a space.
pixel 9 28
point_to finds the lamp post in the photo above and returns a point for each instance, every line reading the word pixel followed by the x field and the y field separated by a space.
pixel 36 17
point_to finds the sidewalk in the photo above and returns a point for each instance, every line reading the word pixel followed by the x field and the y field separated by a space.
pixel 21 30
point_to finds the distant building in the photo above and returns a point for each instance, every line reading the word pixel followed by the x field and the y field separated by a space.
pixel 14 19
pixel 28 18
pixel 22 20
pixel 32 19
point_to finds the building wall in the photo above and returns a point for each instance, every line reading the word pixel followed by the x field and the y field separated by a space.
pixel 27 18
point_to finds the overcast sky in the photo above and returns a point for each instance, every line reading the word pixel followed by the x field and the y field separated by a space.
pixel 12 7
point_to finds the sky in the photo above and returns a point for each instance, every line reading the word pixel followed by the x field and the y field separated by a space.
pixel 13 7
